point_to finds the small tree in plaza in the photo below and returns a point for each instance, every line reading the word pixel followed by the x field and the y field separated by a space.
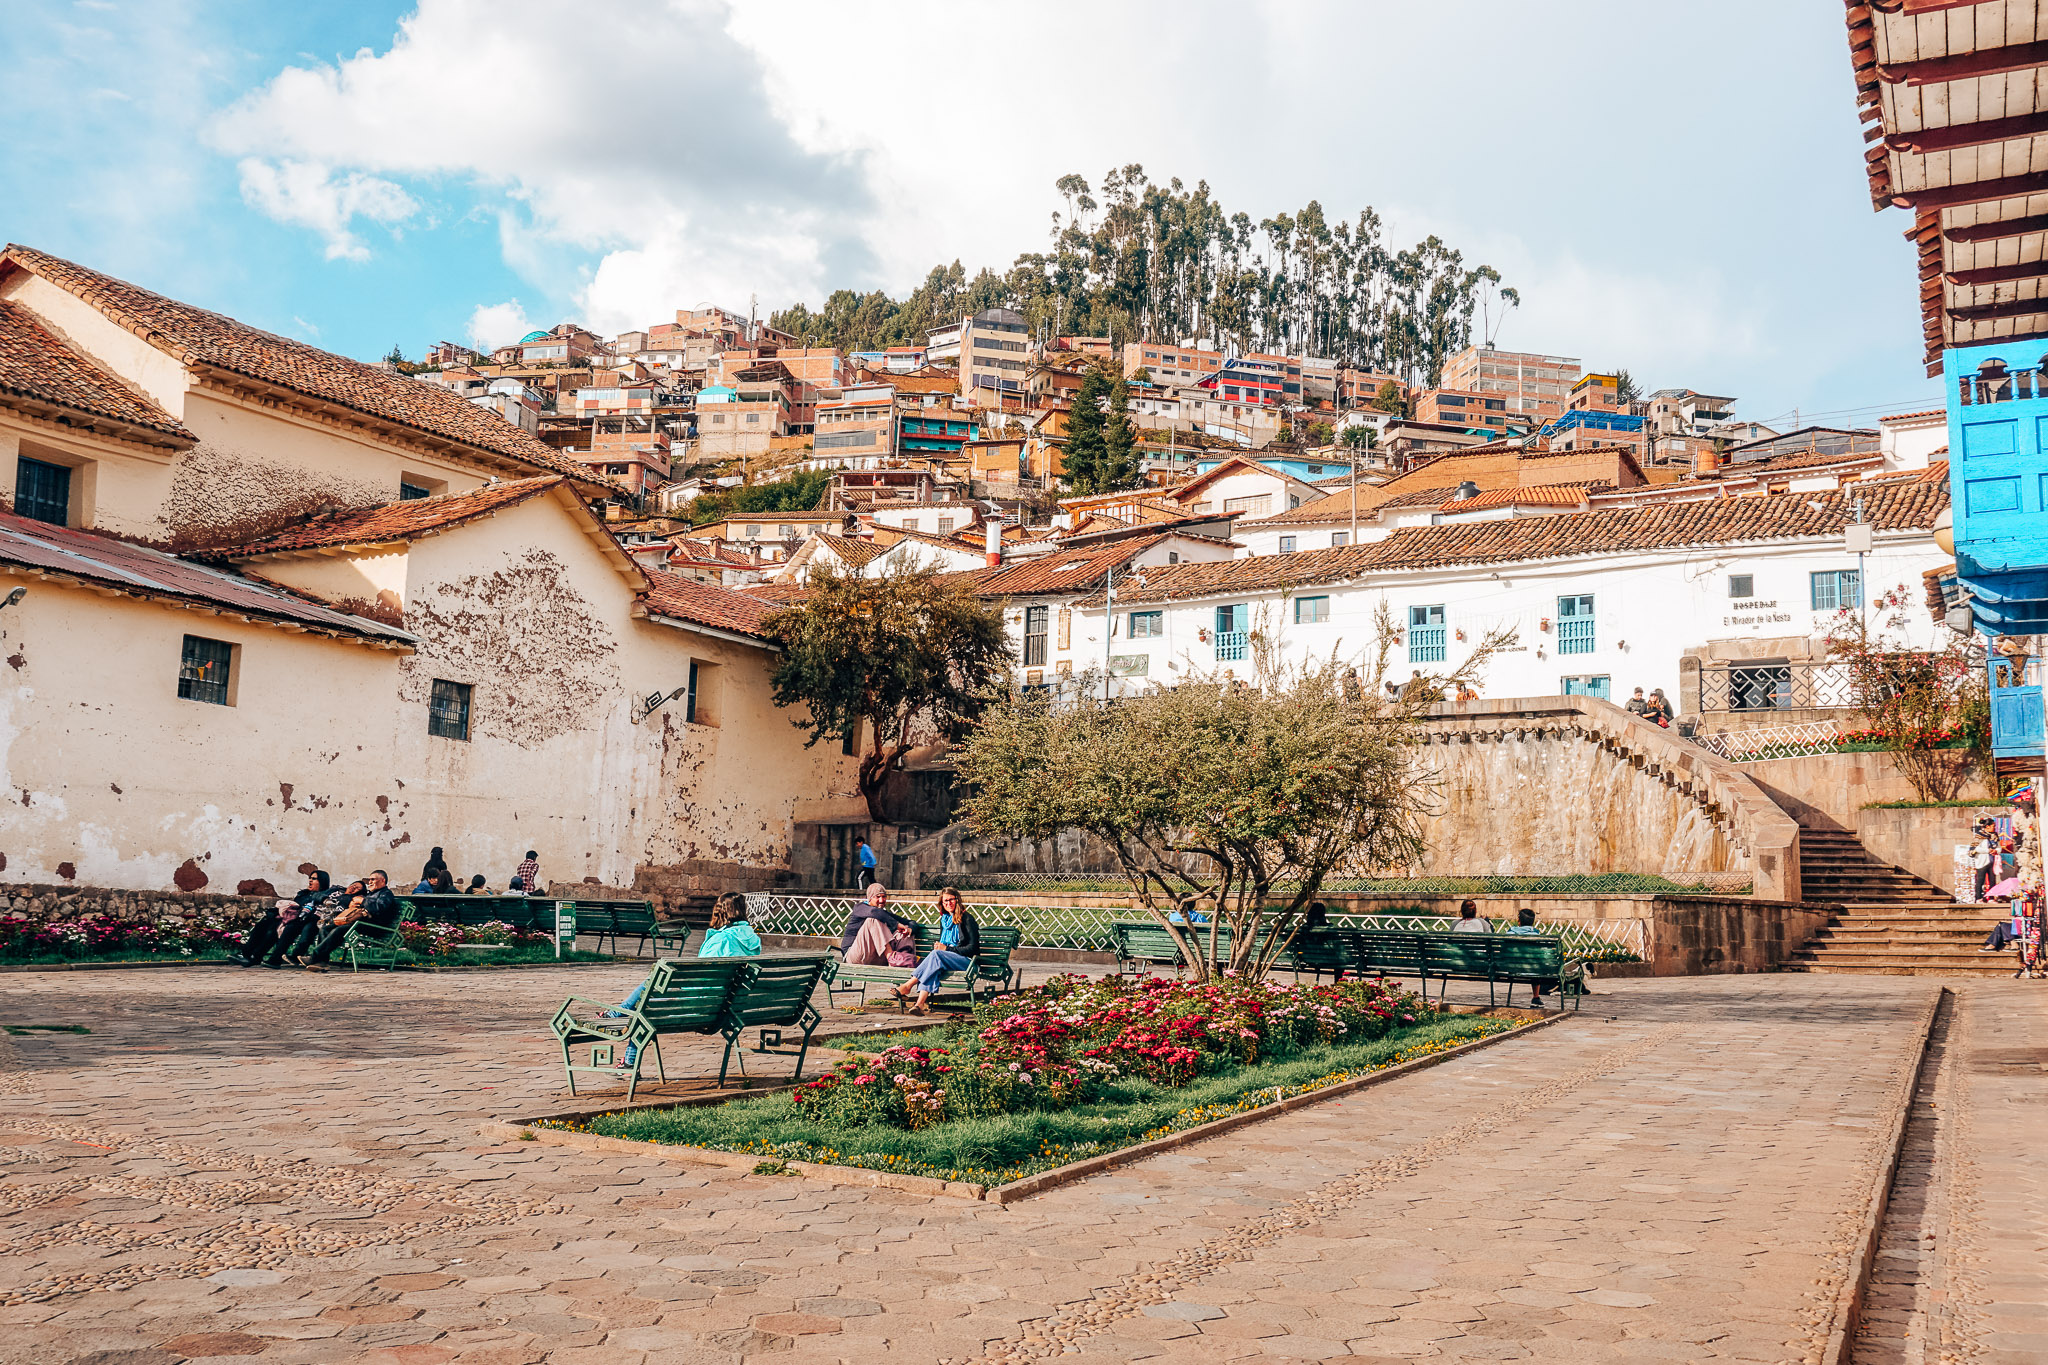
pixel 1238 799
pixel 1928 707
pixel 909 658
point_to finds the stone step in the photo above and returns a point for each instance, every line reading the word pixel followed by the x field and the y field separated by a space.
pixel 1894 969
pixel 1926 957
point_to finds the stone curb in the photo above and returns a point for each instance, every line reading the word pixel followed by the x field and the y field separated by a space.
pixel 1847 1315
pixel 521 1130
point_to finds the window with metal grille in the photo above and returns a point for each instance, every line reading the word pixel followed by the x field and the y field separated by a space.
pixel 690 704
pixel 42 491
pixel 1309 611
pixel 204 670
pixel 1834 589
pixel 448 710
pixel 1036 620
pixel 1426 635
pixel 1741 585
pixel 1147 625
pixel 1587 686
pixel 1575 625
pixel 407 492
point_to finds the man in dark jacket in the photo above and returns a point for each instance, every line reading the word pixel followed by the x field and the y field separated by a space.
pixel 376 906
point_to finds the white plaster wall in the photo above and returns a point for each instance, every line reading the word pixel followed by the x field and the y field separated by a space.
pixel 105 774
pixel 1657 604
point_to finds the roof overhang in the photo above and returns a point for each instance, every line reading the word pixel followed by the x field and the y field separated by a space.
pixel 1958 111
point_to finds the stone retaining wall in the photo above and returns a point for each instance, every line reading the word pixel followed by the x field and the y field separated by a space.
pixel 1922 839
pixel 60 901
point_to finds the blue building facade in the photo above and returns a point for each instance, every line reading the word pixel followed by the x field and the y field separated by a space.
pixel 1998 485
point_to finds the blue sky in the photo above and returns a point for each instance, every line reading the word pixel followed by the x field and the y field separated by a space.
pixel 1674 189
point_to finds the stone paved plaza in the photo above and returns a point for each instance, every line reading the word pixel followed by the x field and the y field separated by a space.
pixel 259 1166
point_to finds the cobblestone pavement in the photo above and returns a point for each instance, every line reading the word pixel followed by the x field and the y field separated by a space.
pixel 1959 1274
pixel 234 1165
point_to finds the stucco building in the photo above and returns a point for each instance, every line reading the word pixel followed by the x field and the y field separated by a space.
pixel 285 609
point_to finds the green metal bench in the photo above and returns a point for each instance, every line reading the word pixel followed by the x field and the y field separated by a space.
pixel 1143 944
pixel 774 994
pixel 525 913
pixel 1498 959
pixel 373 945
pixel 682 996
pixel 635 920
pixel 1316 952
pixel 991 966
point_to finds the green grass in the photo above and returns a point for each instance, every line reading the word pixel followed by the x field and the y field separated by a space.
pixel 1931 805
pixel 210 953
pixel 1007 1147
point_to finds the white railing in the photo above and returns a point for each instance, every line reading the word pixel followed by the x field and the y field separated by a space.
pixel 1086 927
pixel 1774 741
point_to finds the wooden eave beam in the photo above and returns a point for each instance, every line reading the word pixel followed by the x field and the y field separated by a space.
pixel 1998 274
pixel 1973 192
pixel 1991 232
pixel 2009 308
pixel 1957 135
pixel 1990 61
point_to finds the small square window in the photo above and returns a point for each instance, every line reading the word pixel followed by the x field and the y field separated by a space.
pixel 408 492
pixel 1741 585
pixel 1147 625
pixel 1309 611
pixel 206 671
pixel 448 710
pixel 42 491
pixel 1339 539
pixel 1287 545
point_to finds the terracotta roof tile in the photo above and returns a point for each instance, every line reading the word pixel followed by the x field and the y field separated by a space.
pixel 1711 521
pixel 199 337
pixel 393 521
pixel 151 573
pixel 35 365
pixel 1062 571
pixel 1907 416
pixel 672 594
pixel 1542 495
pixel 850 551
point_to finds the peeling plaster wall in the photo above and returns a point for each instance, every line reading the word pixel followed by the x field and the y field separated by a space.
pixel 108 779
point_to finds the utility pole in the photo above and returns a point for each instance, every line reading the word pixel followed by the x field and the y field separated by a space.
pixel 1108 624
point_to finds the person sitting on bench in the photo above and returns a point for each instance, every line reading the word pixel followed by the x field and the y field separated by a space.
pixel 730 936
pixel 281 920
pixel 865 942
pixel 377 906
pixel 959 943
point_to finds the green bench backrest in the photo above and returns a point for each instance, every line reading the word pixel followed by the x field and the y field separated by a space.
pixel 1386 949
pixel 1320 951
pixel 626 918
pixel 777 990
pixel 998 941
pixel 1531 953
pixel 1463 953
pixel 689 995
pixel 1153 942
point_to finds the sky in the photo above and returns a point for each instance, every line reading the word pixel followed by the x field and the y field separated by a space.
pixel 1677 190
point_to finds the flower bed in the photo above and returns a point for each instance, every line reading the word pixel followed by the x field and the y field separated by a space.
pixel 1070 1069
pixel 436 939
pixel 88 938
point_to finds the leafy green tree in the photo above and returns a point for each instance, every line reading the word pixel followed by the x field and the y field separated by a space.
pixel 1087 453
pixel 905 659
pixel 1240 799
pixel 1321 433
pixel 1360 437
pixel 800 492
pixel 1625 391
pixel 1389 399
pixel 1119 458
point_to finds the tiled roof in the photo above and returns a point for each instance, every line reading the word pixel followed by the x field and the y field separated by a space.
pixel 152 573
pixel 1541 495
pixel 1908 416
pixel 1502 466
pixel 1798 459
pixel 1063 570
pixel 199 337
pixel 672 594
pixel 852 552
pixel 35 365
pixel 393 521
pixel 1713 521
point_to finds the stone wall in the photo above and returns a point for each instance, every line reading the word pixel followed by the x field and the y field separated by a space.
pixel 1560 785
pixel 1922 839
pixel 44 902
pixel 1828 791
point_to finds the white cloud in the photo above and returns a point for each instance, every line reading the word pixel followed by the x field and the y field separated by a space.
pixel 494 324
pixel 652 144
pixel 310 195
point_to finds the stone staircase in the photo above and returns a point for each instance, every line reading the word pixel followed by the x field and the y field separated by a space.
pixel 1892 923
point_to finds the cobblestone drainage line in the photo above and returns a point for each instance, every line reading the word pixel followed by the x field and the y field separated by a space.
pixel 1847 1309
pixel 525 1130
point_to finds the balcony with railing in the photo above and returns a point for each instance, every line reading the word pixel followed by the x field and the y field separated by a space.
pixel 1231 645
